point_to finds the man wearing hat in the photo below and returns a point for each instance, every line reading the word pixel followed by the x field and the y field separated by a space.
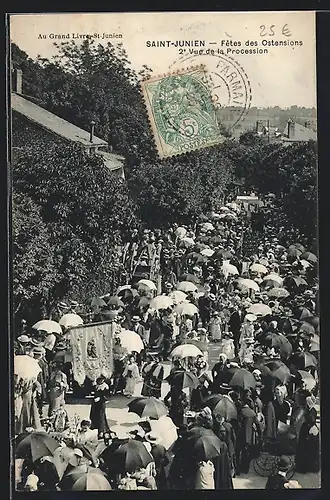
pixel 278 480
pixel 23 345
pixel 161 459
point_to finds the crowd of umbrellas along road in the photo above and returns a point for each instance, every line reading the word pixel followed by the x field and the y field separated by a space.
pixel 256 406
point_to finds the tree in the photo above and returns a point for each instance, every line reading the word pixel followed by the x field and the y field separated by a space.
pixel 86 212
pixel 34 262
pixel 90 82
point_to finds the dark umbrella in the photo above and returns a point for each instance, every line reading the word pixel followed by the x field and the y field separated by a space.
pixel 189 277
pixel 244 379
pixel 115 301
pixel 301 313
pixel 222 406
pixel 148 407
pixel 203 444
pixel 307 328
pixel 128 293
pixel 294 281
pixel 280 342
pixel 36 445
pixel 294 252
pixel 313 320
pixel 270 284
pixel 183 379
pixel 197 258
pixel 130 456
pixel 144 301
pixel 311 257
pixel 96 302
pixel 303 360
pixel 299 246
pixel 224 254
pixel 279 370
pixel 85 478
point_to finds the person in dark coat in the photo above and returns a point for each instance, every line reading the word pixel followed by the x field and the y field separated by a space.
pixel 119 355
pixel 47 473
pixel 235 324
pixel 176 399
pixel 161 459
pixel 223 473
pixel 205 306
pixel 247 435
pixel 308 446
pixel 278 480
pixel 225 432
pixel 98 416
pixel 153 374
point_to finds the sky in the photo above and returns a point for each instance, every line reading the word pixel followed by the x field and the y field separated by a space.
pixel 285 76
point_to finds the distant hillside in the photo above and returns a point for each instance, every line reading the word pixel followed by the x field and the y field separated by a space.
pixel 277 117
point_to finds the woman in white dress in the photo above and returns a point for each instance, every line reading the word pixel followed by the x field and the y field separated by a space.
pixel 216 327
pixel 132 376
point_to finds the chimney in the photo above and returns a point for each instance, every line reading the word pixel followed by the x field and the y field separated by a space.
pixel 18 81
pixel 291 127
pixel 92 131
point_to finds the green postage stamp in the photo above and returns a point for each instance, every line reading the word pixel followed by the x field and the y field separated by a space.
pixel 181 112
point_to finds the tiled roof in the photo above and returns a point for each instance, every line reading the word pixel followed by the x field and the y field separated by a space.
pixel 52 123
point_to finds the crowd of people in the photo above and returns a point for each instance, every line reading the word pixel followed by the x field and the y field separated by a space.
pixel 257 308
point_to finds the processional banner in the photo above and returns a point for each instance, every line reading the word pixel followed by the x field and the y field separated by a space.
pixel 91 347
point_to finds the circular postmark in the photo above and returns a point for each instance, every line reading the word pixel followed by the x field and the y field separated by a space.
pixel 228 83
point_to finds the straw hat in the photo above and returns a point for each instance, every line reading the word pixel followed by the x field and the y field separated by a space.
pixel 24 339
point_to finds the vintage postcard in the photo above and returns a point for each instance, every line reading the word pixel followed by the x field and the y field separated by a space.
pixel 165 291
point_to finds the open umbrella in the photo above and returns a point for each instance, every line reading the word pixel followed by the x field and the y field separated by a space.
pixel 222 405
pixel 232 205
pixel 207 252
pixel 228 216
pixel 148 407
pixel 303 360
pixel 268 284
pixel 187 242
pixel 225 209
pixel 148 283
pixel 250 317
pixel 186 308
pixel 207 226
pixel 278 293
pixel 85 478
pixel 294 252
pixel 247 283
pixel 259 268
pixel 36 445
pixel 294 282
pixel 302 313
pixel 115 301
pixel 197 258
pixel 48 326
pixel 189 277
pixel 308 379
pixel 229 268
pixel 186 351
pixel 131 341
pixel 307 328
pixel 315 343
pixel 259 309
pixel 274 277
pixel 161 302
pixel 313 320
pixel 224 254
pixel 130 456
pixel 187 286
pixel 183 379
pixel 181 232
pixel 144 301
pixel 70 319
pixel 279 370
pixel 299 246
pixel 123 288
pixel 203 444
pixel 244 379
pixel 96 302
pixel 177 296
pixel 26 367
pixel 311 257
pixel 280 342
